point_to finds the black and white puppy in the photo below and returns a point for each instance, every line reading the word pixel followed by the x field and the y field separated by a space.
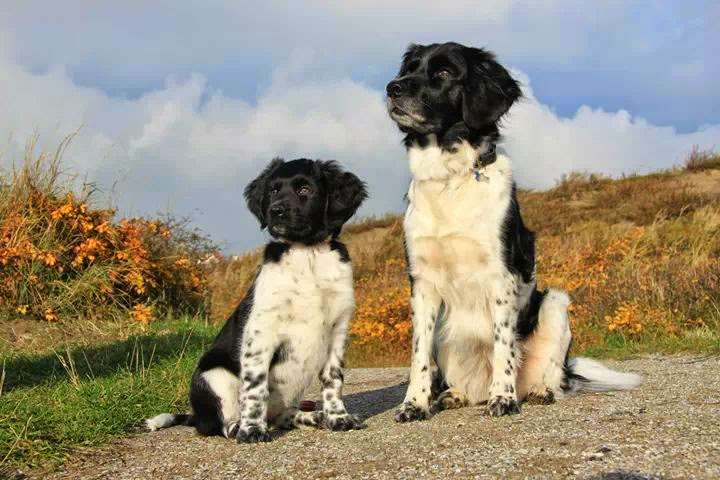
pixel 494 337
pixel 293 322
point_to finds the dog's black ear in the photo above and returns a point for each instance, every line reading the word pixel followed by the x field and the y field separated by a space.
pixel 410 52
pixel 345 193
pixel 489 89
pixel 255 191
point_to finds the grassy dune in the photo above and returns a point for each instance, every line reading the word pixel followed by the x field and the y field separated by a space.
pixel 640 256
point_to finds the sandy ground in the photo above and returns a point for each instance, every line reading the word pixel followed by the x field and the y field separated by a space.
pixel 668 428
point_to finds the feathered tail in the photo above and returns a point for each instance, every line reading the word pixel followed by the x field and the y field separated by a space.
pixel 585 375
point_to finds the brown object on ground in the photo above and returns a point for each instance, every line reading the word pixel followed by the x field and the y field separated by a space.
pixel 668 428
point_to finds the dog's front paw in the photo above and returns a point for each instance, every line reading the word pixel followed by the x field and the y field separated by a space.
pixel 343 423
pixel 253 434
pixel 410 412
pixel 499 406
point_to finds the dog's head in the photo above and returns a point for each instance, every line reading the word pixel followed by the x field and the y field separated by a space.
pixel 441 85
pixel 303 200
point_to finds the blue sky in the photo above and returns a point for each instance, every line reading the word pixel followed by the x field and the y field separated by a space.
pixel 181 103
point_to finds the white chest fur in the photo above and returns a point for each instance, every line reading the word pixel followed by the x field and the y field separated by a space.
pixel 298 301
pixel 305 283
pixel 453 223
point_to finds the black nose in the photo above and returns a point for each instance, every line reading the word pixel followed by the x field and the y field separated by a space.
pixel 395 88
pixel 278 211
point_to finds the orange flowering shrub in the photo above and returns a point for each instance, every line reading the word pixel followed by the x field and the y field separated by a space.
pixel 645 279
pixel 632 318
pixel 61 256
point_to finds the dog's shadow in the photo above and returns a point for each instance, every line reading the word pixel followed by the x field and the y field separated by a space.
pixel 374 402
pixel 365 404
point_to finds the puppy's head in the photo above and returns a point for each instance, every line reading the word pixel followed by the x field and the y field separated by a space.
pixel 441 85
pixel 303 200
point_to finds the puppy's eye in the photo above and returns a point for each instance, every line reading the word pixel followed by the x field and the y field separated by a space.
pixel 304 191
pixel 443 73
pixel 274 190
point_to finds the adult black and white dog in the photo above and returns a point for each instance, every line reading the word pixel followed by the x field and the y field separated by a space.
pixel 471 260
pixel 293 322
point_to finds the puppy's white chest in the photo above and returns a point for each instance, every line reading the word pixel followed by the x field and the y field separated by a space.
pixel 303 286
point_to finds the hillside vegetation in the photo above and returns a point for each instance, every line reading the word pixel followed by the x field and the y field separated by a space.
pixel 640 256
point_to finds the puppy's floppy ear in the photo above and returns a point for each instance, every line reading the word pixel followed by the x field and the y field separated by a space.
pixel 255 191
pixel 489 89
pixel 345 193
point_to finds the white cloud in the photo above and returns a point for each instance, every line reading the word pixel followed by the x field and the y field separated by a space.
pixel 188 146
pixel 545 146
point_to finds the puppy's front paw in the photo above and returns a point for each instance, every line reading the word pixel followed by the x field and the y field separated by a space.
pixel 410 412
pixel 499 406
pixel 253 434
pixel 343 423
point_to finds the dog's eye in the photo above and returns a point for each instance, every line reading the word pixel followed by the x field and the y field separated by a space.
pixel 443 73
pixel 304 191
pixel 274 190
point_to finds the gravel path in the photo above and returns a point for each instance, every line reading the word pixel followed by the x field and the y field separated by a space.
pixel 669 428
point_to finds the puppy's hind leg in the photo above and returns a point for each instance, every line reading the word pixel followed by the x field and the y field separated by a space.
pixel 214 396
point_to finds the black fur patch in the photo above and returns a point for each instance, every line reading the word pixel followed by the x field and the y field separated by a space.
pixel 342 250
pixel 274 251
pixel 528 316
pixel 281 355
pixel 254 381
pixel 518 242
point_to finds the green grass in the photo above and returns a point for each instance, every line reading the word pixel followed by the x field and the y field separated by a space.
pixel 83 396
pixel 703 341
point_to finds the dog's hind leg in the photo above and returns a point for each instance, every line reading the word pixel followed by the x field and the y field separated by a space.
pixel 544 351
pixel 452 398
pixel 215 402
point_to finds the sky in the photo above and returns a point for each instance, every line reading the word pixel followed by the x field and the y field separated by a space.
pixel 178 105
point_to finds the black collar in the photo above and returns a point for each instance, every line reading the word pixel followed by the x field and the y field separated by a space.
pixel 485 159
